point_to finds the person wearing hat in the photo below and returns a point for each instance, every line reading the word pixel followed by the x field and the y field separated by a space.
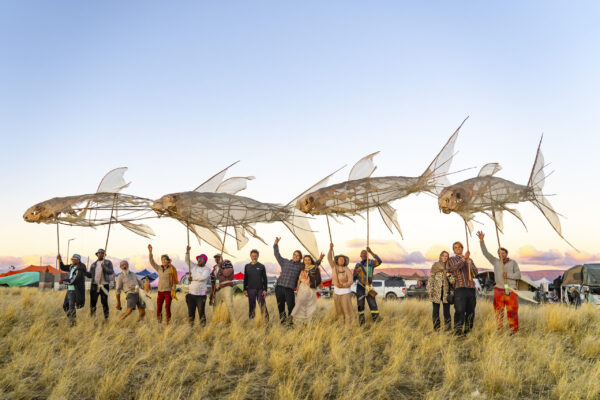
pixel 342 280
pixel 222 284
pixel 75 296
pixel 255 285
pixel 101 272
pixel 364 274
pixel 196 298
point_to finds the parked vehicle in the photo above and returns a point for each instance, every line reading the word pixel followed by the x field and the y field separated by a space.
pixel 390 289
pixel 418 290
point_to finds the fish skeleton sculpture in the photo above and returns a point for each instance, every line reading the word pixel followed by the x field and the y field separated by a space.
pixel 362 192
pixel 78 210
pixel 215 205
pixel 492 196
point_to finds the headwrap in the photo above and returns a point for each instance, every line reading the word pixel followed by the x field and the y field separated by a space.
pixel 77 256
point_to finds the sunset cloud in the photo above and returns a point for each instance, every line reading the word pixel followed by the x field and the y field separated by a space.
pixel 530 255
pixel 390 251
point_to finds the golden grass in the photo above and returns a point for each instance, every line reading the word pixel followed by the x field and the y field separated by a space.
pixel 555 355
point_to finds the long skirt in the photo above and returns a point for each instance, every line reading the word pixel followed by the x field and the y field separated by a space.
pixel 343 308
pixel 306 303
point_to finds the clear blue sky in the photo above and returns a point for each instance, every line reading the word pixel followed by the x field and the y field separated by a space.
pixel 177 91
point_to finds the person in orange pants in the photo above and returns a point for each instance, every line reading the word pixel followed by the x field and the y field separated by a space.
pixel 511 303
pixel 506 275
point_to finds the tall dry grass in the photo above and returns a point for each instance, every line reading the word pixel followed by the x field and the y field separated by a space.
pixel 555 355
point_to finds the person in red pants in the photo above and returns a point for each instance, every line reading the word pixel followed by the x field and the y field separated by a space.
pixel 506 273
pixel 167 283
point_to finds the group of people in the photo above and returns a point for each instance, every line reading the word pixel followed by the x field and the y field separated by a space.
pixel 451 281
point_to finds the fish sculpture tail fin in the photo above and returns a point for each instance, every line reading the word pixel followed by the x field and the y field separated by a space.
pixel 435 177
pixel 298 223
pixel 537 179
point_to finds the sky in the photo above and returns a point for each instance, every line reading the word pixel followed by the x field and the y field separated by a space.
pixel 295 90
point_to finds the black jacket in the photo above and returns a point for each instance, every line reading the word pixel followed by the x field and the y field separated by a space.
pixel 78 281
pixel 255 276
pixel 108 270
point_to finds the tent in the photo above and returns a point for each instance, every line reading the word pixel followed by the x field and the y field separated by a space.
pixel 31 268
pixel 21 279
pixel 239 276
pixel 586 274
pixel 145 273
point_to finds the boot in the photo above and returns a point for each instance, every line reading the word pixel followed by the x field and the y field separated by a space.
pixel 159 318
pixel 361 319
pixel 191 321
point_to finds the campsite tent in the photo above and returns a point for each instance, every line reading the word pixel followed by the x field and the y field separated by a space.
pixel 145 273
pixel 586 274
pixel 31 268
pixel 21 279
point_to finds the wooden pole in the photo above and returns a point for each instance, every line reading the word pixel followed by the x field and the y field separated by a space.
pixel 500 253
pixel 467 236
pixel 58 253
pixel 333 267
pixel 188 246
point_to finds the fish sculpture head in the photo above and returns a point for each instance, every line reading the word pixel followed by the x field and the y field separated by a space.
pixel 166 204
pixel 37 213
pixel 451 199
pixel 306 204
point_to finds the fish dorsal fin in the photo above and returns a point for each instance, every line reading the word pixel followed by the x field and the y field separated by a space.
pixel 322 183
pixel 214 181
pixel 489 169
pixel 364 168
pixel 113 182
pixel 234 185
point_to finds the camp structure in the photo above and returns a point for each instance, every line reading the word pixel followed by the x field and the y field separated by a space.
pixel 22 279
pixel 526 288
pixel 581 277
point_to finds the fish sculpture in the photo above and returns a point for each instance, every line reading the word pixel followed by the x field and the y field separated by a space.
pixel 93 209
pixel 362 192
pixel 492 196
pixel 215 205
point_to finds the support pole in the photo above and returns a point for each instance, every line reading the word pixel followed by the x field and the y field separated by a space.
pixel 506 292
pixel 467 236
pixel 188 245
pixel 112 210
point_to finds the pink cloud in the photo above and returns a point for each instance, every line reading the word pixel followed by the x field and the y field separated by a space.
pixel 529 255
pixel 390 251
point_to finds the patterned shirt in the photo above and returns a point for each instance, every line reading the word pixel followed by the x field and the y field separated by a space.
pixel 290 270
pixel 460 269
pixel 374 262
pixel 127 282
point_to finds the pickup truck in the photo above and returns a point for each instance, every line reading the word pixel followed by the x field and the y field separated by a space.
pixel 390 289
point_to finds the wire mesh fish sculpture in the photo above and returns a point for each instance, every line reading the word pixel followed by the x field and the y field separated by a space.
pixel 93 209
pixel 214 205
pixel 362 192
pixel 492 196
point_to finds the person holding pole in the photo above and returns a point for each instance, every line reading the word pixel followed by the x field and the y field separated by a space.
pixel 167 283
pixel 101 272
pixel 255 286
pixel 342 279
pixel 465 296
pixel 363 272
pixel 222 284
pixel 129 283
pixel 506 273
pixel 196 298
pixel 75 296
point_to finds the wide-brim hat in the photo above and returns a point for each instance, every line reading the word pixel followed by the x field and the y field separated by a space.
pixel 217 255
pixel 100 251
pixel 346 259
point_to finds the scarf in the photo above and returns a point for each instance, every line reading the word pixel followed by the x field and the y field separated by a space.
pixel 505 260
pixel 174 281
pixel 437 267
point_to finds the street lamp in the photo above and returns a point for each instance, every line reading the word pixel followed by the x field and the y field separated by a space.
pixel 68 244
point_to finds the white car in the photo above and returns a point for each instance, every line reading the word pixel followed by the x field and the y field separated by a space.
pixel 390 289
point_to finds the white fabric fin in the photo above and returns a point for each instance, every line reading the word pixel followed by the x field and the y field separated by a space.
pixel 364 168
pixel 113 181
pixel 210 236
pixel 214 181
pixel 489 169
pixel 253 233
pixel 139 229
pixel 322 183
pixel 234 185
pixel 240 237
pixel 389 216
pixel 299 225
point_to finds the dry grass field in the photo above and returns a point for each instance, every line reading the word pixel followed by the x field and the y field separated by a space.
pixel 556 355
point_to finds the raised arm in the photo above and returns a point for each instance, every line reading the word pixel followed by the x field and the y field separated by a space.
pixel 188 260
pixel 151 259
pixel 493 260
pixel 375 256
pixel 330 257
pixel 278 257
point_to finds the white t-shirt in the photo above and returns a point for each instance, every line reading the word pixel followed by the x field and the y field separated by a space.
pixel 200 278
